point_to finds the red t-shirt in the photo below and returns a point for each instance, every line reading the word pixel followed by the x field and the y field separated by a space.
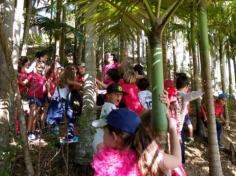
pixel 21 77
pixel 131 100
pixel 219 108
pixel 36 85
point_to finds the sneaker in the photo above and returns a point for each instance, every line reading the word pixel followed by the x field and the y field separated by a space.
pixel 31 137
pixel 73 139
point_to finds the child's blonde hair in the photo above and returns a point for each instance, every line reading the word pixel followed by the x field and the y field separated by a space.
pixel 129 77
pixel 145 135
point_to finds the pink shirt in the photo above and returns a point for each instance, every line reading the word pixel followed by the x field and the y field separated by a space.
pixel 132 100
pixel 105 69
pixel 36 85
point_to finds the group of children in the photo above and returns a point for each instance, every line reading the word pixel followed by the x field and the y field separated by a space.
pixel 124 142
pixel 52 92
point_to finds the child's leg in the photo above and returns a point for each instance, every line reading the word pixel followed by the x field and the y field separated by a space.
pixel 70 123
pixel 33 111
pixel 219 130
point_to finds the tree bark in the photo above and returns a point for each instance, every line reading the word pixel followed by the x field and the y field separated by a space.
pixel 196 73
pixel 17 30
pixel 214 155
pixel 84 151
pixel 8 88
pixel 159 109
pixel 164 55
pixel 174 55
pixel 23 46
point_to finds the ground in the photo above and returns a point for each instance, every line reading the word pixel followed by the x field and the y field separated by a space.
pixel 49 158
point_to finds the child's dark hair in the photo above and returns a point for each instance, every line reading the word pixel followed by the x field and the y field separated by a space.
pixel 40 54
pixel 22 61
pixel 114 75
pixel 127 138
pixel 143 84
pixel 182 80
pixel 138 68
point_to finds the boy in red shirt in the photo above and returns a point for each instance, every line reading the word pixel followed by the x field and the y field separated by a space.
pixel 219 114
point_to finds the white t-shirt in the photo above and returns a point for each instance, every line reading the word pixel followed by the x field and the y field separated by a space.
pixel 106 109
pixel 98 137
pixel 145 97
pixel 63 92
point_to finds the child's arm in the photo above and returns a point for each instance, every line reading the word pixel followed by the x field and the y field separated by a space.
pixel 101 83
pixel 193 95
pixel 172 160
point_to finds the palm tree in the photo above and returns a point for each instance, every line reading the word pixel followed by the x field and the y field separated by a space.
pixel 214 156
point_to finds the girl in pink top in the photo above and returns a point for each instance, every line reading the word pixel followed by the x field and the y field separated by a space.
pixel 131 100
pixel 109 64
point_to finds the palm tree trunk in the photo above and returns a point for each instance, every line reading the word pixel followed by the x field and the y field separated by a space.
pixel 223 77
pixel 63 36
pixel 174 54
pixel 84 151
pixel 138 48
pixel 214 155
pixel 8 89
pixel 164 55
pixel 23 46
pixel 196 71
pixel 17 30
pixel 159 109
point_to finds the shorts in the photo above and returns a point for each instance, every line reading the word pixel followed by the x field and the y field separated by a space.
pixel 37 101
pixel 187 120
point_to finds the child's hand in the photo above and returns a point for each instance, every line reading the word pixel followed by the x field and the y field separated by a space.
pixel 165 99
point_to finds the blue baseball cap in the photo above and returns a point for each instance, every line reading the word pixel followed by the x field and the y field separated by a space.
pixel 121 119
pixel 223 96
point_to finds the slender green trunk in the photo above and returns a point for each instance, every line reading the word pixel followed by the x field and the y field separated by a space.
pixel 174 54
pixel 62 37
pixel 223 77
pixel 149 63
pixel 214 155
pixel 222 65
pixel 196 73
pixel 164 55
pixel 122 47
pixel 234 60
pixel 159 109
pixel 133 52
pixel 230 73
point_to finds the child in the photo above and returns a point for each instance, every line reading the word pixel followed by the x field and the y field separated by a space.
pixel 36 97
pixel 116 157
pixel 219 114
pixel 145 96
pixel 182 85
pixel 152 159
pixel 113 98
pixel 131 100
pixel 109 64
pixel 60 106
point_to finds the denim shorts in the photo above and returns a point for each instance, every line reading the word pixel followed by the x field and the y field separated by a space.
pixel 37 101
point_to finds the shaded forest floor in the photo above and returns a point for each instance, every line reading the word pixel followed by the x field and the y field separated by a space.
pixel 49 158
